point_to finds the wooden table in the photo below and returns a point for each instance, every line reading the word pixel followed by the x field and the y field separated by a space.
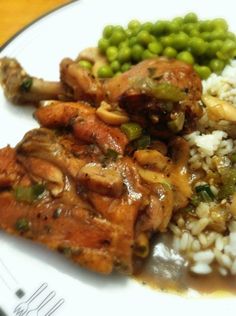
pixel 15 14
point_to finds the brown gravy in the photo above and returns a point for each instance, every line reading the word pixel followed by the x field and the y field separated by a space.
pixel 166 270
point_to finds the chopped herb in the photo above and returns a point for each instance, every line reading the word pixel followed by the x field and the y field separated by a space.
pixel 143 142
pixel 26 84
pixel 48 229
pixel 111 154
pixel 204 191
pixel 151 71
pixel 177 124
pixel 195 200
pixel 189 208
pixel 233 158
pixel 65 251
pixel 28 194
pixel 57 213
pixel 228 178
pixel 22 225
pixel 132 130
pixel 160 90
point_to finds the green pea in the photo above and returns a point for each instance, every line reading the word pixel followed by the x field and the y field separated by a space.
pixel 137 52
pixel 214 47
pixel 112 53
pixel 220 23
pixel 197 46
pixel 148 26
pixel 124 54
pixel 155 48
pixel 194 33
pixel 129 33
pixel 218 34
pixel 206 26
pixel 105 72
pixel 228 46
pixel 216 65
pixel 166 40
pixel 231 35
pixel 154 39
pixel 126 67
pixel 115 66
pixel 190 18
pixel 107 31
pixel 134 25
pixel 180 41
pixel 228 50
pixel 144 38
pixel 147 54
pixel 124 44
pixel 170 52
pixel 117 37
pixel 203 71
pixel 188 28
pixel 173 27
pixel 159 27
pixel 186 56
pixel 103 44
pixel 119 28
pixel 178 20
pixel 85 64
pixel 206 36
pixel 133 41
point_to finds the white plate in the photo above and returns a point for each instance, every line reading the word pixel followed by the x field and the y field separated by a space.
pixel 40 48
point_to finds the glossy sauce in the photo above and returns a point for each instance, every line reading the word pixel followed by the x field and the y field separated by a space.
pixel 167 270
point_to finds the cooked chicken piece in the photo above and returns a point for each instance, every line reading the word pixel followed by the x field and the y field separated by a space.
pixel 161 70
pixel 163 93
pixel 66 227
pixel 101 216
pixel 21 88
pixel 44 144
pixel 158 88
pixel 103 180
pixel 44 171
pixel 10 172
pixel 85 123
pixel 67 223
pixel 84 86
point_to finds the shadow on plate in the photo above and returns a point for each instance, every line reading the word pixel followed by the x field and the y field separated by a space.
pixel 62 264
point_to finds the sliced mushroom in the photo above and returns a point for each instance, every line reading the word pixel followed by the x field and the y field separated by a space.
pixel 105 181
pixel 153 177
pixel 110 115
pixel 153 158
pixel 42 170
pixel 219 109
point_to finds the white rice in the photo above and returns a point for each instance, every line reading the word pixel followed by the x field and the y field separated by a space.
pixel 223 86
pixel 196 236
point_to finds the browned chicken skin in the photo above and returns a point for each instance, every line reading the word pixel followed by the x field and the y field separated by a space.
pixel 159 89
pixel 94 229
pixel 100 213
pixel 59 186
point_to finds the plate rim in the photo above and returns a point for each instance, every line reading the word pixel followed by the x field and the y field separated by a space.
pixel 28 25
